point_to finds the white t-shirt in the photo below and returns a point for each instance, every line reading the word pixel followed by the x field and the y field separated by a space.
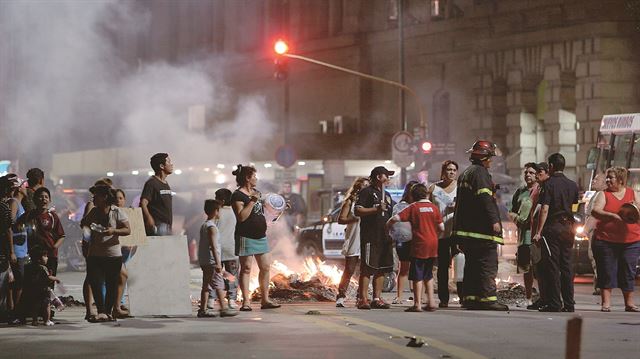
pixel 108 246
pixel 445 202
pixel 351 246
pixel 401 231
pixel 226 233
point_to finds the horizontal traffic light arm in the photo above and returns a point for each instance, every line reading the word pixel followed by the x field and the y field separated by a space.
pixel 367 76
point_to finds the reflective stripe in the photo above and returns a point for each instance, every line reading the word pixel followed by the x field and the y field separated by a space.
pixel 489 299
pixel 480 236
pixel 471 297
pixel 484 190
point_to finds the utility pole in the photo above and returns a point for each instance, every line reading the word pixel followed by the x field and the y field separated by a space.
pixel 403 120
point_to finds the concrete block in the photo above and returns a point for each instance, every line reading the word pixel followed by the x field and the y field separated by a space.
pixel 159 278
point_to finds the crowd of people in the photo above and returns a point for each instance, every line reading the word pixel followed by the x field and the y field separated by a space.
pixel 456 217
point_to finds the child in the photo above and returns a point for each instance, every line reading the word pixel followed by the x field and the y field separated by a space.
pixel 227 227
pixel 426 224
pixel 48 232
pixel 209 256
pixel 36 291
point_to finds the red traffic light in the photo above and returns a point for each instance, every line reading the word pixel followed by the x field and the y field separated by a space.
pixel 281 47
pixel 426 147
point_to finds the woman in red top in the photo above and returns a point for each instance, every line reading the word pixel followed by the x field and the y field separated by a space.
pixel 616 244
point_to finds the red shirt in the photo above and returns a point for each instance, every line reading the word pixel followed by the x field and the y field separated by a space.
pixel 614 230
pixel 424 217
pixel 48 230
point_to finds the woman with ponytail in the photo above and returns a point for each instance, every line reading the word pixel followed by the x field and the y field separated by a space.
pixel 251 235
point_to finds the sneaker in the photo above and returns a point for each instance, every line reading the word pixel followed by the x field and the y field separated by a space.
pixel 48 323
pixel 210 304
pixel 232 304
pixel 228 313
pixel 340 303
pixel 534 306
pixel 363 304
pixel 206 314
pixel 396 300
pixel 548 308
pixel 379 304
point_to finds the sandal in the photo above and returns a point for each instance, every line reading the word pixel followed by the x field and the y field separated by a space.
pixel 92 318
pixel 413 309
pixel 429 308
pixel 245 308
pixel 631 308
pixel 606 309
pixel 396 300
pixel 270 305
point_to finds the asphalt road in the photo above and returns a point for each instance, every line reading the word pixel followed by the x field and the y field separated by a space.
pixel 291 332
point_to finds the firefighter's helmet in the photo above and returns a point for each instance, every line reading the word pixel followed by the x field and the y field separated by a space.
pixel 482 150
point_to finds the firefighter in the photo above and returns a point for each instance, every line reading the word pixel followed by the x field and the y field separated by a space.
pixel 478 229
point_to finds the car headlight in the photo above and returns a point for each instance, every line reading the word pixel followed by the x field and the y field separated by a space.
pixel 580 230
pixel 580 235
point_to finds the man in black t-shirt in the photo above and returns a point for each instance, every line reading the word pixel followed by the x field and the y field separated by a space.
pixel 374 207
pixel 155 200
pixel 554 233
pixel 6 242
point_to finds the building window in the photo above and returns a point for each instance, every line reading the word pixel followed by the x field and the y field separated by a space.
pixel 249 19
pixel 440 124
pixel 315 19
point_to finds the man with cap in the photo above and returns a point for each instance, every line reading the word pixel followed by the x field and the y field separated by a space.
pixel 374 207
pixel 554 233
pixel 478 227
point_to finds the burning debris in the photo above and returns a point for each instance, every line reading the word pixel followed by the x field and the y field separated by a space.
pixel 316 282
pixel 509 292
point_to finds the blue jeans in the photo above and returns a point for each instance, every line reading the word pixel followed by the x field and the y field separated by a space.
pixel 161 229
pixel 616 264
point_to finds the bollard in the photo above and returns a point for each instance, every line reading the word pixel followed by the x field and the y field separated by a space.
pixel 574 338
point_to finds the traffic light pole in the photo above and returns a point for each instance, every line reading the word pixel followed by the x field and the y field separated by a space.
pixel 403 120
pixel 406 88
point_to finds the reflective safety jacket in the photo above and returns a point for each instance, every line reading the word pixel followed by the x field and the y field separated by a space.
pixel 476 208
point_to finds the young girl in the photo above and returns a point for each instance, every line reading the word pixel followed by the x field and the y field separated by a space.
pixel 351 247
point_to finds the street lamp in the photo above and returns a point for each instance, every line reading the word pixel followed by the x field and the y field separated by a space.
pixel 281 49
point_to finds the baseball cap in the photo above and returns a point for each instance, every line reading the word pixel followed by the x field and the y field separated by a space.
pixel 381 170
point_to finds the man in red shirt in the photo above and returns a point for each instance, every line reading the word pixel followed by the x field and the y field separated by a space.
pixel 426 224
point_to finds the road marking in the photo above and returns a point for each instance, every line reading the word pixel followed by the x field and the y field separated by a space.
pixel 456 351
pixel 403 351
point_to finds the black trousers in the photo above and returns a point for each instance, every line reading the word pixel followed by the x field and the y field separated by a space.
pixel 446 251
pixel 480 269
pixel 557 274
pixel 107 270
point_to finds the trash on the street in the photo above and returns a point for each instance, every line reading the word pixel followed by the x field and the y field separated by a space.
pixel 415 342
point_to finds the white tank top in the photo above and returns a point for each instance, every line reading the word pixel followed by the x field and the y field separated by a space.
pixel 445 202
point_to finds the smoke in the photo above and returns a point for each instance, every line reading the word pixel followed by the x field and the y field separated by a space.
pixel 68 85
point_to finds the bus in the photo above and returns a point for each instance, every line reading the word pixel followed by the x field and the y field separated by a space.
pixel 618 145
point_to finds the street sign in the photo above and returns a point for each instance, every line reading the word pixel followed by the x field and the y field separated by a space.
pixel 286 156
pixel 444 149
pixel 401 151
pixel 285 175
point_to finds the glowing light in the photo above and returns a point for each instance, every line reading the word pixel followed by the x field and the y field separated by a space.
pixel 426 146
pixel 220 179
pixel 207 169
pixel 135 173
pixel 178 172
pixel 301 163
pixel 150 173
pixel 580 230
pixel 281 47
pixel 268 165
pixel 109 174
pixel 61 181
pixel 220 166
pixel 387 162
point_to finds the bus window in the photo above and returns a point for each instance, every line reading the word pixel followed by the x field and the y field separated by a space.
pixel 635 156
pixel 633 179
pixel 621 148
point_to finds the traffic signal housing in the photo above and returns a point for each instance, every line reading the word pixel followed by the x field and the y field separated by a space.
pixel 423 155
pixel 281 72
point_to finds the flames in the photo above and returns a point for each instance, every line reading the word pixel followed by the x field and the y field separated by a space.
pixel 329 275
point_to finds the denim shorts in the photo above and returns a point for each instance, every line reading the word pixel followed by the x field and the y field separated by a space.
pixel 421 269
pixel 616 264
